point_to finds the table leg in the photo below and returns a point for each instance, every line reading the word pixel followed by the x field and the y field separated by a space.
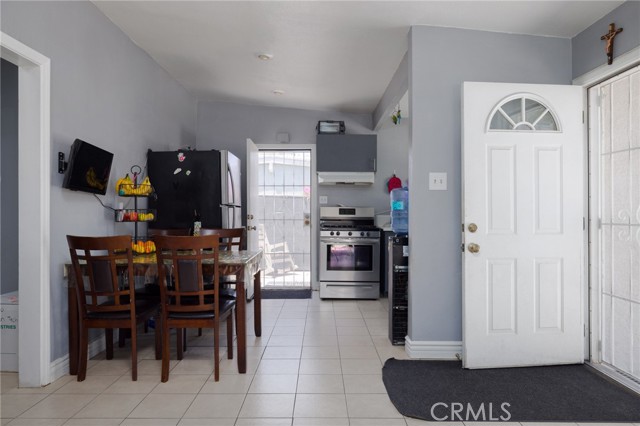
pixel 241 325
pixel 74 337
pixel 257 300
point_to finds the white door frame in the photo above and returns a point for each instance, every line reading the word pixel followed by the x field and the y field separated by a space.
pixel 314 199
pixel 34 187
pixel 622 63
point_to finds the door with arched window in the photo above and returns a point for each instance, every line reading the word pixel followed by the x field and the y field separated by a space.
pixel 523 205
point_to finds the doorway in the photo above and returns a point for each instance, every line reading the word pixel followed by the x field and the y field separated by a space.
pixel 283 217
pixel 614 107
pixel 34 187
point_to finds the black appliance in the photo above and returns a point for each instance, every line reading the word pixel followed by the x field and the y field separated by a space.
pixel 398 250
pixel 190 185
pixel 88 169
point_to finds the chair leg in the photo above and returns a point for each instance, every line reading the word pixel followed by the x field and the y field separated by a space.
pixel 108 335
pixel 82 358
pixel 146 326
pixel 199 332
pixel 165 350
pixel 230 336
pixel 184 339
pixel 134 351
pixel 216 349
pixel 179 341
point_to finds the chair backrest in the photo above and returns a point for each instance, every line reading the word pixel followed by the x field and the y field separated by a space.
pixel 154 232
pixel 103 268
pixel 230 239
pixel 182 262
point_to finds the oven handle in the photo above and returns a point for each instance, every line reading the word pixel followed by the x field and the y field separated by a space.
pixel 370 241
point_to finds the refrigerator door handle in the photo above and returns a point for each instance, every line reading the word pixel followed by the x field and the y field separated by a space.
pixel 232 199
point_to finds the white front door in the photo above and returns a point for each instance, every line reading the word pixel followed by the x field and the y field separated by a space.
pixel 523 151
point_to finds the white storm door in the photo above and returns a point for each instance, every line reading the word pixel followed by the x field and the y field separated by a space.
pixel 523 151
pixel 253 153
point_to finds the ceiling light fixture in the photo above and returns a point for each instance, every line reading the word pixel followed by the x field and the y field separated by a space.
pixel 265 56
pixel 278 92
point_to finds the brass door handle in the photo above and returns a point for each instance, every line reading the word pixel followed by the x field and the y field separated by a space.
pixel 474 248
pixel 472 227
pixel 251 228
pixel 249 216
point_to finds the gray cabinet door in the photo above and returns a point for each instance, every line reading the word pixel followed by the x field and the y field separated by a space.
pixel 346 153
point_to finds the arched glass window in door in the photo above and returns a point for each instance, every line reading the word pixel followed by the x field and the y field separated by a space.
pixel 523 112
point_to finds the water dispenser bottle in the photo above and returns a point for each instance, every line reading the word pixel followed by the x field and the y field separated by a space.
pixel 400 210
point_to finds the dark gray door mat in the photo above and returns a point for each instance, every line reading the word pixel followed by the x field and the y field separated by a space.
pixel 443 390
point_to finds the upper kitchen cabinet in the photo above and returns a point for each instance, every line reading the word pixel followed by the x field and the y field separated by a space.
pixel 346 153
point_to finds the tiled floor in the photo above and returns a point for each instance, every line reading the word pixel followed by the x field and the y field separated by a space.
pixel 318 363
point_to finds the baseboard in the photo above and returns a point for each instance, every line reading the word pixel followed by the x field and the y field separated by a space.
pixel 444 350
pixel 60 367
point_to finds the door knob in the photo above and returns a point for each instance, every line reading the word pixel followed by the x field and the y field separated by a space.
pixel 474 248
pixel 472 227
pixel 249 216
pixel 251 228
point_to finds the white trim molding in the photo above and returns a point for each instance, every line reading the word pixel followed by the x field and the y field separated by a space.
pixel 60 367
pixel 34 186
pixel 603 72
pixel 444 350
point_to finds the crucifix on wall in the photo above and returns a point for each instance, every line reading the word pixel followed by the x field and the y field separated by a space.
pixel 609 37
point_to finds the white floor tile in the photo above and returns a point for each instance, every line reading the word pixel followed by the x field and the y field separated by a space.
pixel 320 352
pixel 163 406
pixel 282 352
pixel 274 383
pixel 57 406
pixel 320 383
pixel 278 366
pixel 215 405
pixel 320 366
pixel 228 383
pixel 371 406
pixel 181 384
pixel 310 421
pixel 264 422
pixel 364 383
pixel 110 406
pixel 12 405
pixel 268 405
pixel 320 405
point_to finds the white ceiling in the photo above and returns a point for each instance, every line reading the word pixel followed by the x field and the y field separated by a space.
pixel 328 55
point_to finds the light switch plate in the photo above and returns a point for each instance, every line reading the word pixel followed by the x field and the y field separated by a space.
pixel 324 199
pixel 437 181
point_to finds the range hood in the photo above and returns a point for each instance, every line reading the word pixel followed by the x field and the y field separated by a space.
pixel 346 178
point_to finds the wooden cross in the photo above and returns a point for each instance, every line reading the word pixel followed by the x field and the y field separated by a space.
pixel 613 32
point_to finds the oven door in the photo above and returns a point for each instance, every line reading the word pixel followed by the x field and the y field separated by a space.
pixel 350 259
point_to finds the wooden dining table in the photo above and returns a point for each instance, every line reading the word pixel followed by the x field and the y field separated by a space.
pixel 243 264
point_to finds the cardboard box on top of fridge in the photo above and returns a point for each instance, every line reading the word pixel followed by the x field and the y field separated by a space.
pixel 9 331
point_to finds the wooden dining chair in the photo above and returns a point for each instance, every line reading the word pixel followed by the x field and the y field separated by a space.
pixel 105 290
pixel 185 302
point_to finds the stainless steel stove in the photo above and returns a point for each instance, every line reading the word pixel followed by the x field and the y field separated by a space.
pixel 349 253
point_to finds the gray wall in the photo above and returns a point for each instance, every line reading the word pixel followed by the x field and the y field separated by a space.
pixel 107 91
pixel 587 48
pixel 440 59
pixel 396 89
pixel 8 172
pixel 228 125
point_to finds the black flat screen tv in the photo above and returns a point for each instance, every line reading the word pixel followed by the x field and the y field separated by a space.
pixel 89 168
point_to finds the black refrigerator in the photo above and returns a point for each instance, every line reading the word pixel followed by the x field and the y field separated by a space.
pixel 188 186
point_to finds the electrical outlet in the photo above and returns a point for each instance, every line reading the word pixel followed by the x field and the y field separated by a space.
pixel 437 181
pixel 324 199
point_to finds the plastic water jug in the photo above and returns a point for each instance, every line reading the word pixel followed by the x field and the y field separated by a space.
pixel 400 210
